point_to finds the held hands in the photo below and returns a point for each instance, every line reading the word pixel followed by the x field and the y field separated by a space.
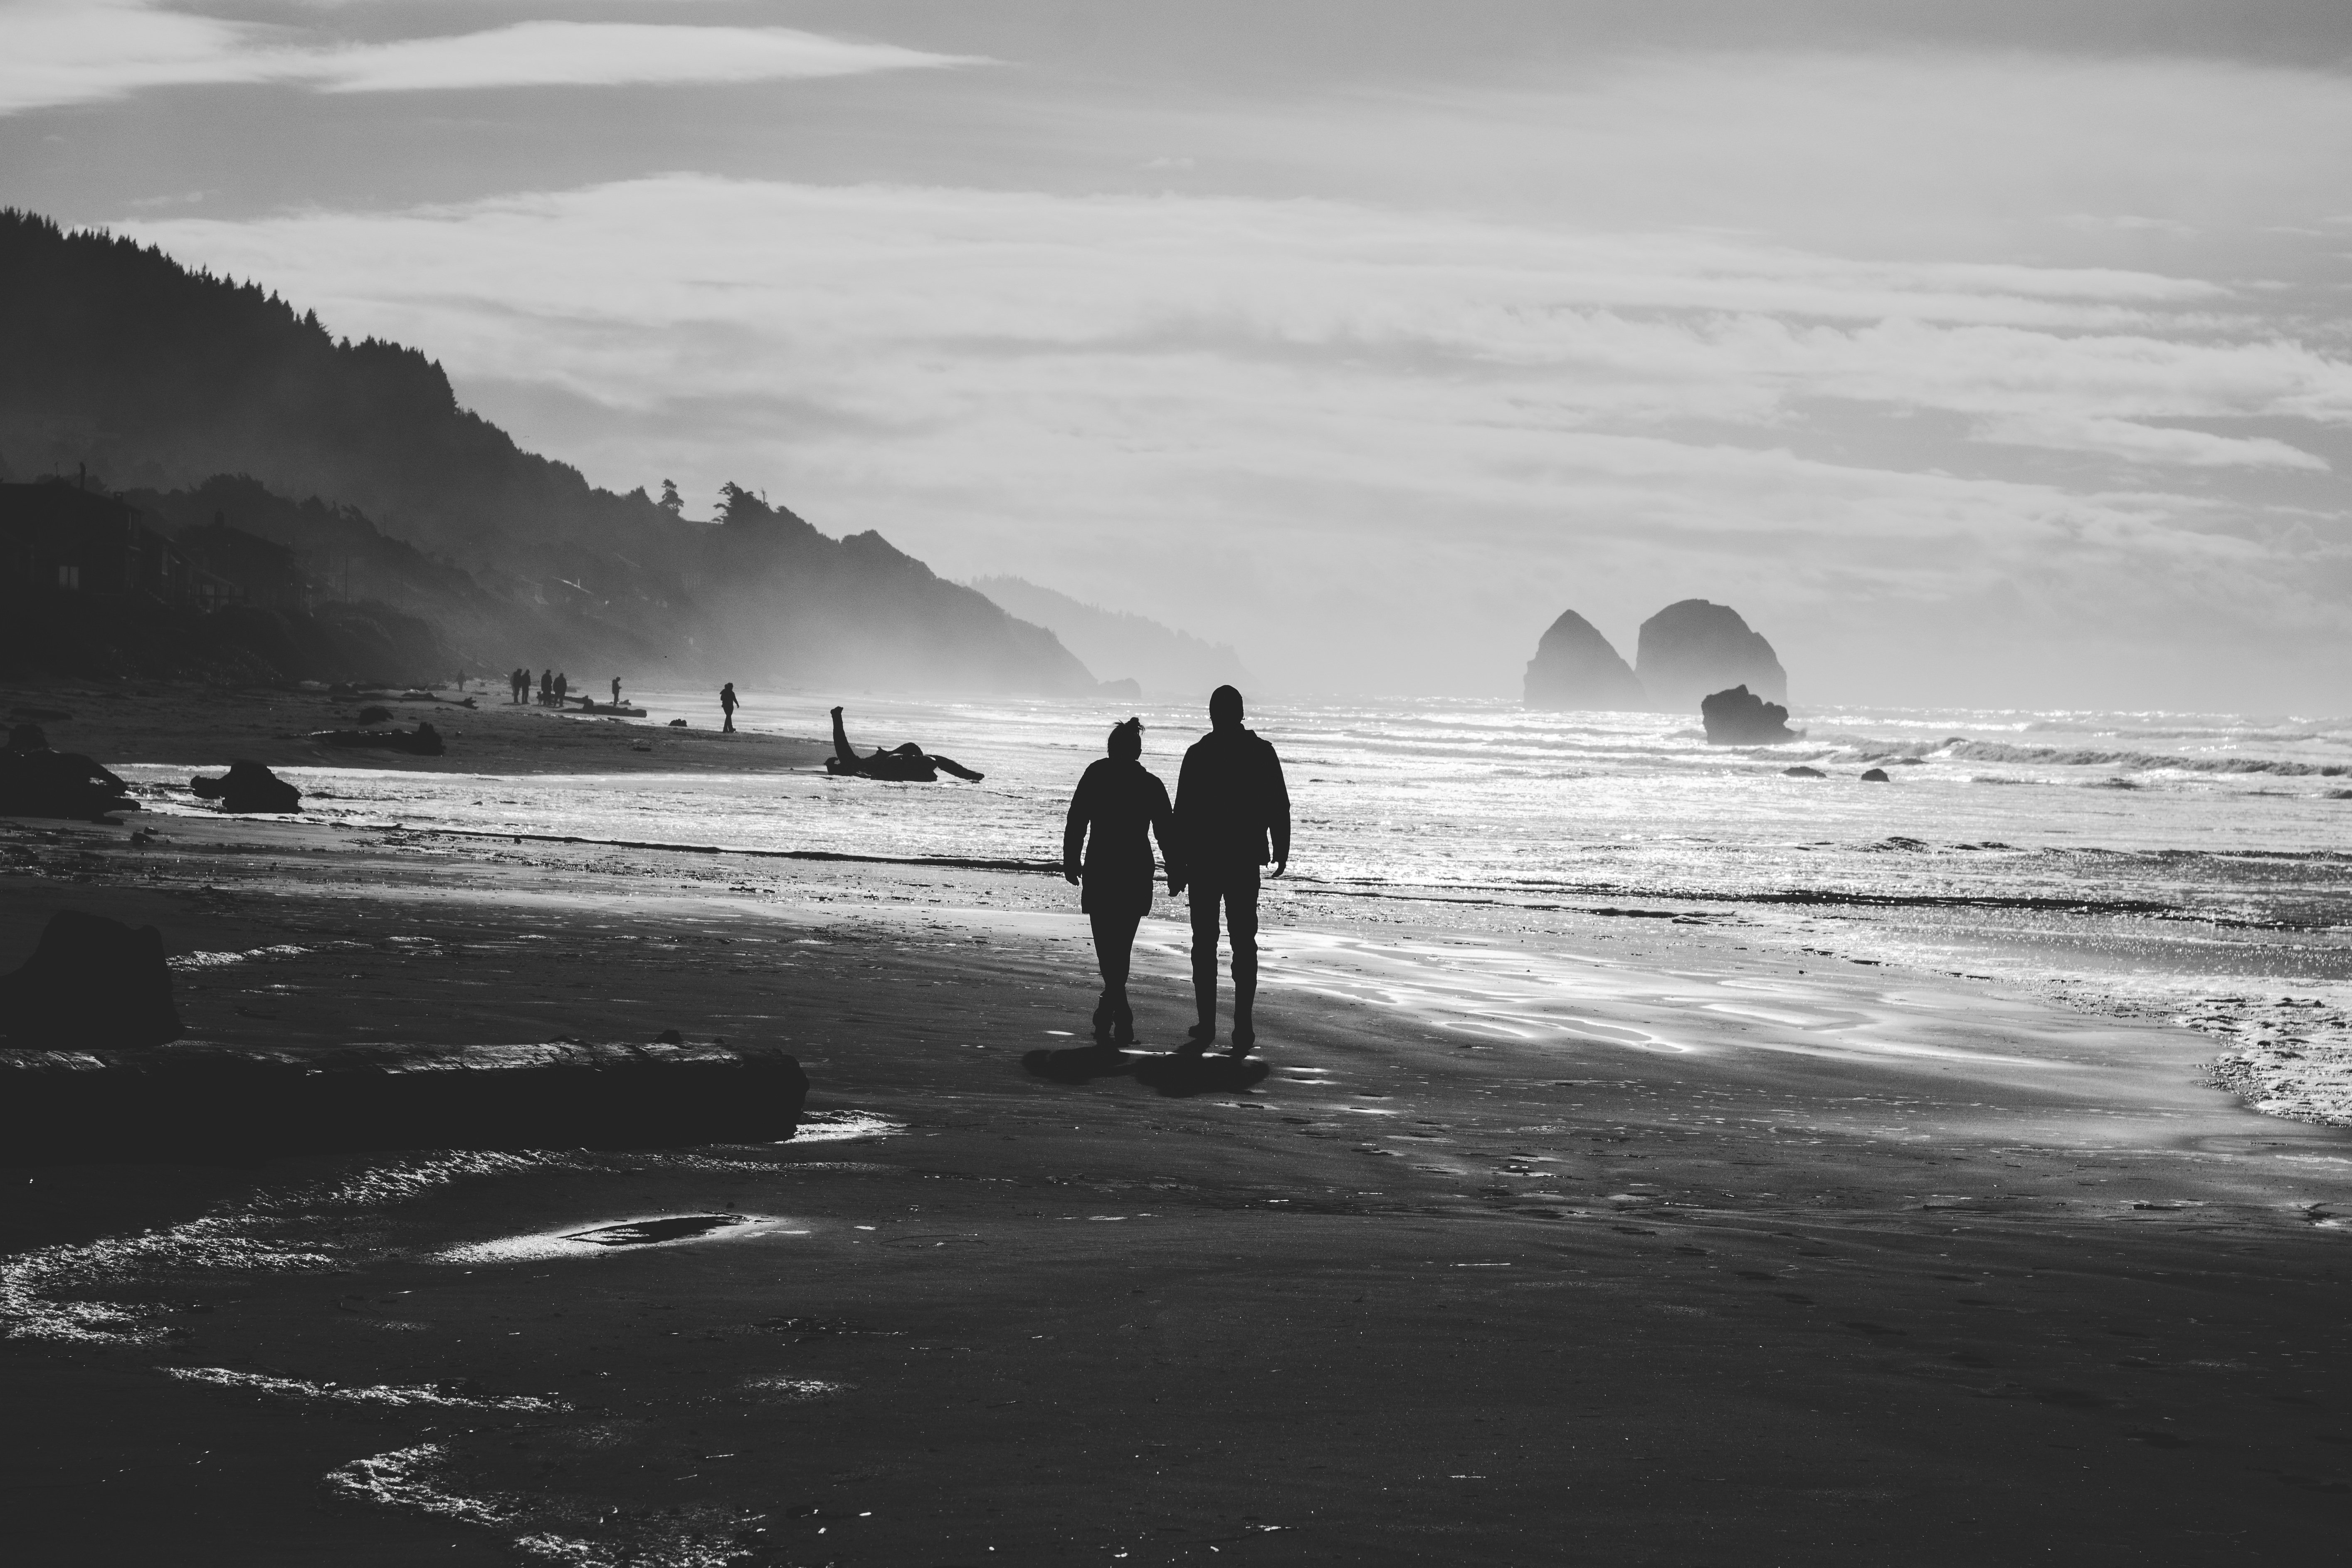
pixel 1280 866
pixel 1070 875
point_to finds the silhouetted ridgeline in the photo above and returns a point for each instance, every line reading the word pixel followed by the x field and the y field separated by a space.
pixel 863 609
pixel 114 356
pixel 1121 646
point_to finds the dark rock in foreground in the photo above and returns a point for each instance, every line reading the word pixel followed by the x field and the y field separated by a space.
pixel 1740 718
pixel 1802 771
pixel 1575 667
pixel 1875 775
pixel 37 781
pixel 248 786
pixel 1692 647
pixel 424 741
pixel 204 1101
pixel 91 981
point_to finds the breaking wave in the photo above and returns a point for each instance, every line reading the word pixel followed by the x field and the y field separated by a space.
pixel 2087 757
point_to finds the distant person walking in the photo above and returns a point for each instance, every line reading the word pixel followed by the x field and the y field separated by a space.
pixel 1233 816
pixel 546 688
pixel 562 685
pixel 616 691
pixel 727 706
pixel 1117 809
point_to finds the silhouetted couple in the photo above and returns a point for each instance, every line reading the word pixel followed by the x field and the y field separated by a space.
pixel 1231 817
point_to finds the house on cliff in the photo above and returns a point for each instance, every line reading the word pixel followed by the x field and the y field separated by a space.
pixel 58 538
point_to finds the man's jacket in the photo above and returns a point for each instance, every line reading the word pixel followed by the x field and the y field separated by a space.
pixel 1233 810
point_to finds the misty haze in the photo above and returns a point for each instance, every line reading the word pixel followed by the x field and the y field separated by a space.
pixel 795 783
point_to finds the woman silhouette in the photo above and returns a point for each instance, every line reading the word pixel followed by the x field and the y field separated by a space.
pixel 1118 807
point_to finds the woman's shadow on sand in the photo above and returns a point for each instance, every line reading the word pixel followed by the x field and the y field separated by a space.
pixel 1175 1075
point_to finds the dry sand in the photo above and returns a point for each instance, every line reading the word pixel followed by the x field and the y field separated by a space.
pixel 1617 1242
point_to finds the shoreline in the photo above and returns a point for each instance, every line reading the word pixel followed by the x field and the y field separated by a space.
pixel 164 723
pixel 1888 1262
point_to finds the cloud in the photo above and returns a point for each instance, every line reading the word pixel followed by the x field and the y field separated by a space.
pixel 540 54
pixel 77 51
pixel 2154 444
pixel 1376 446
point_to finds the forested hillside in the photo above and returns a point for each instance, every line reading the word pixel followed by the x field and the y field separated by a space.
pixel 358 455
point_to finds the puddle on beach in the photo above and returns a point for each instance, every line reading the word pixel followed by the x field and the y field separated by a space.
pixel 618 1236
pixel 672 1227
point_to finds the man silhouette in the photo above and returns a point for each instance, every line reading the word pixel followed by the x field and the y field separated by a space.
pixel 1233 816
pixel 727 706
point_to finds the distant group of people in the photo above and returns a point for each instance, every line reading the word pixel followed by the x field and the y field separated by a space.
pixel 552 685
pixel 1230 819
pixel 554 688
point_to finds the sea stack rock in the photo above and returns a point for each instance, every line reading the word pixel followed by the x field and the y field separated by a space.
pixel 1692 647
pixel 91 981
pixel 1740 718
pixel 1575 667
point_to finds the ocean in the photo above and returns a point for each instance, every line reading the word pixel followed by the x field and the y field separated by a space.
pixel 2194 868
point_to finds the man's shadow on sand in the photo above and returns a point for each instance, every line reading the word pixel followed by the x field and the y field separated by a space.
pixel 1175 1075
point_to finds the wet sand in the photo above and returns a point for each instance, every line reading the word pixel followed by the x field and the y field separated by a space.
pixel 1620 1241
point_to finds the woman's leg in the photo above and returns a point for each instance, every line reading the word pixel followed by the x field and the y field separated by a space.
pixel 1117 952
pixel 1114 951
pixel 1106 930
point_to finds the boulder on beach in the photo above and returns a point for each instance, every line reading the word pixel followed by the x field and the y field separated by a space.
pixel 1575 668
pixel 1740 718
pixel 1124 689
pixel 373 714
pixel 1802 771
pixel 1692 647
pixel 1875 775
pixel 247 786
pixel 424 741
pixel 208 1100
pixel 37 781
pixel 91 982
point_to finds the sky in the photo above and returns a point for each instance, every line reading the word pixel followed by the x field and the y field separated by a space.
pixel 1986 355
